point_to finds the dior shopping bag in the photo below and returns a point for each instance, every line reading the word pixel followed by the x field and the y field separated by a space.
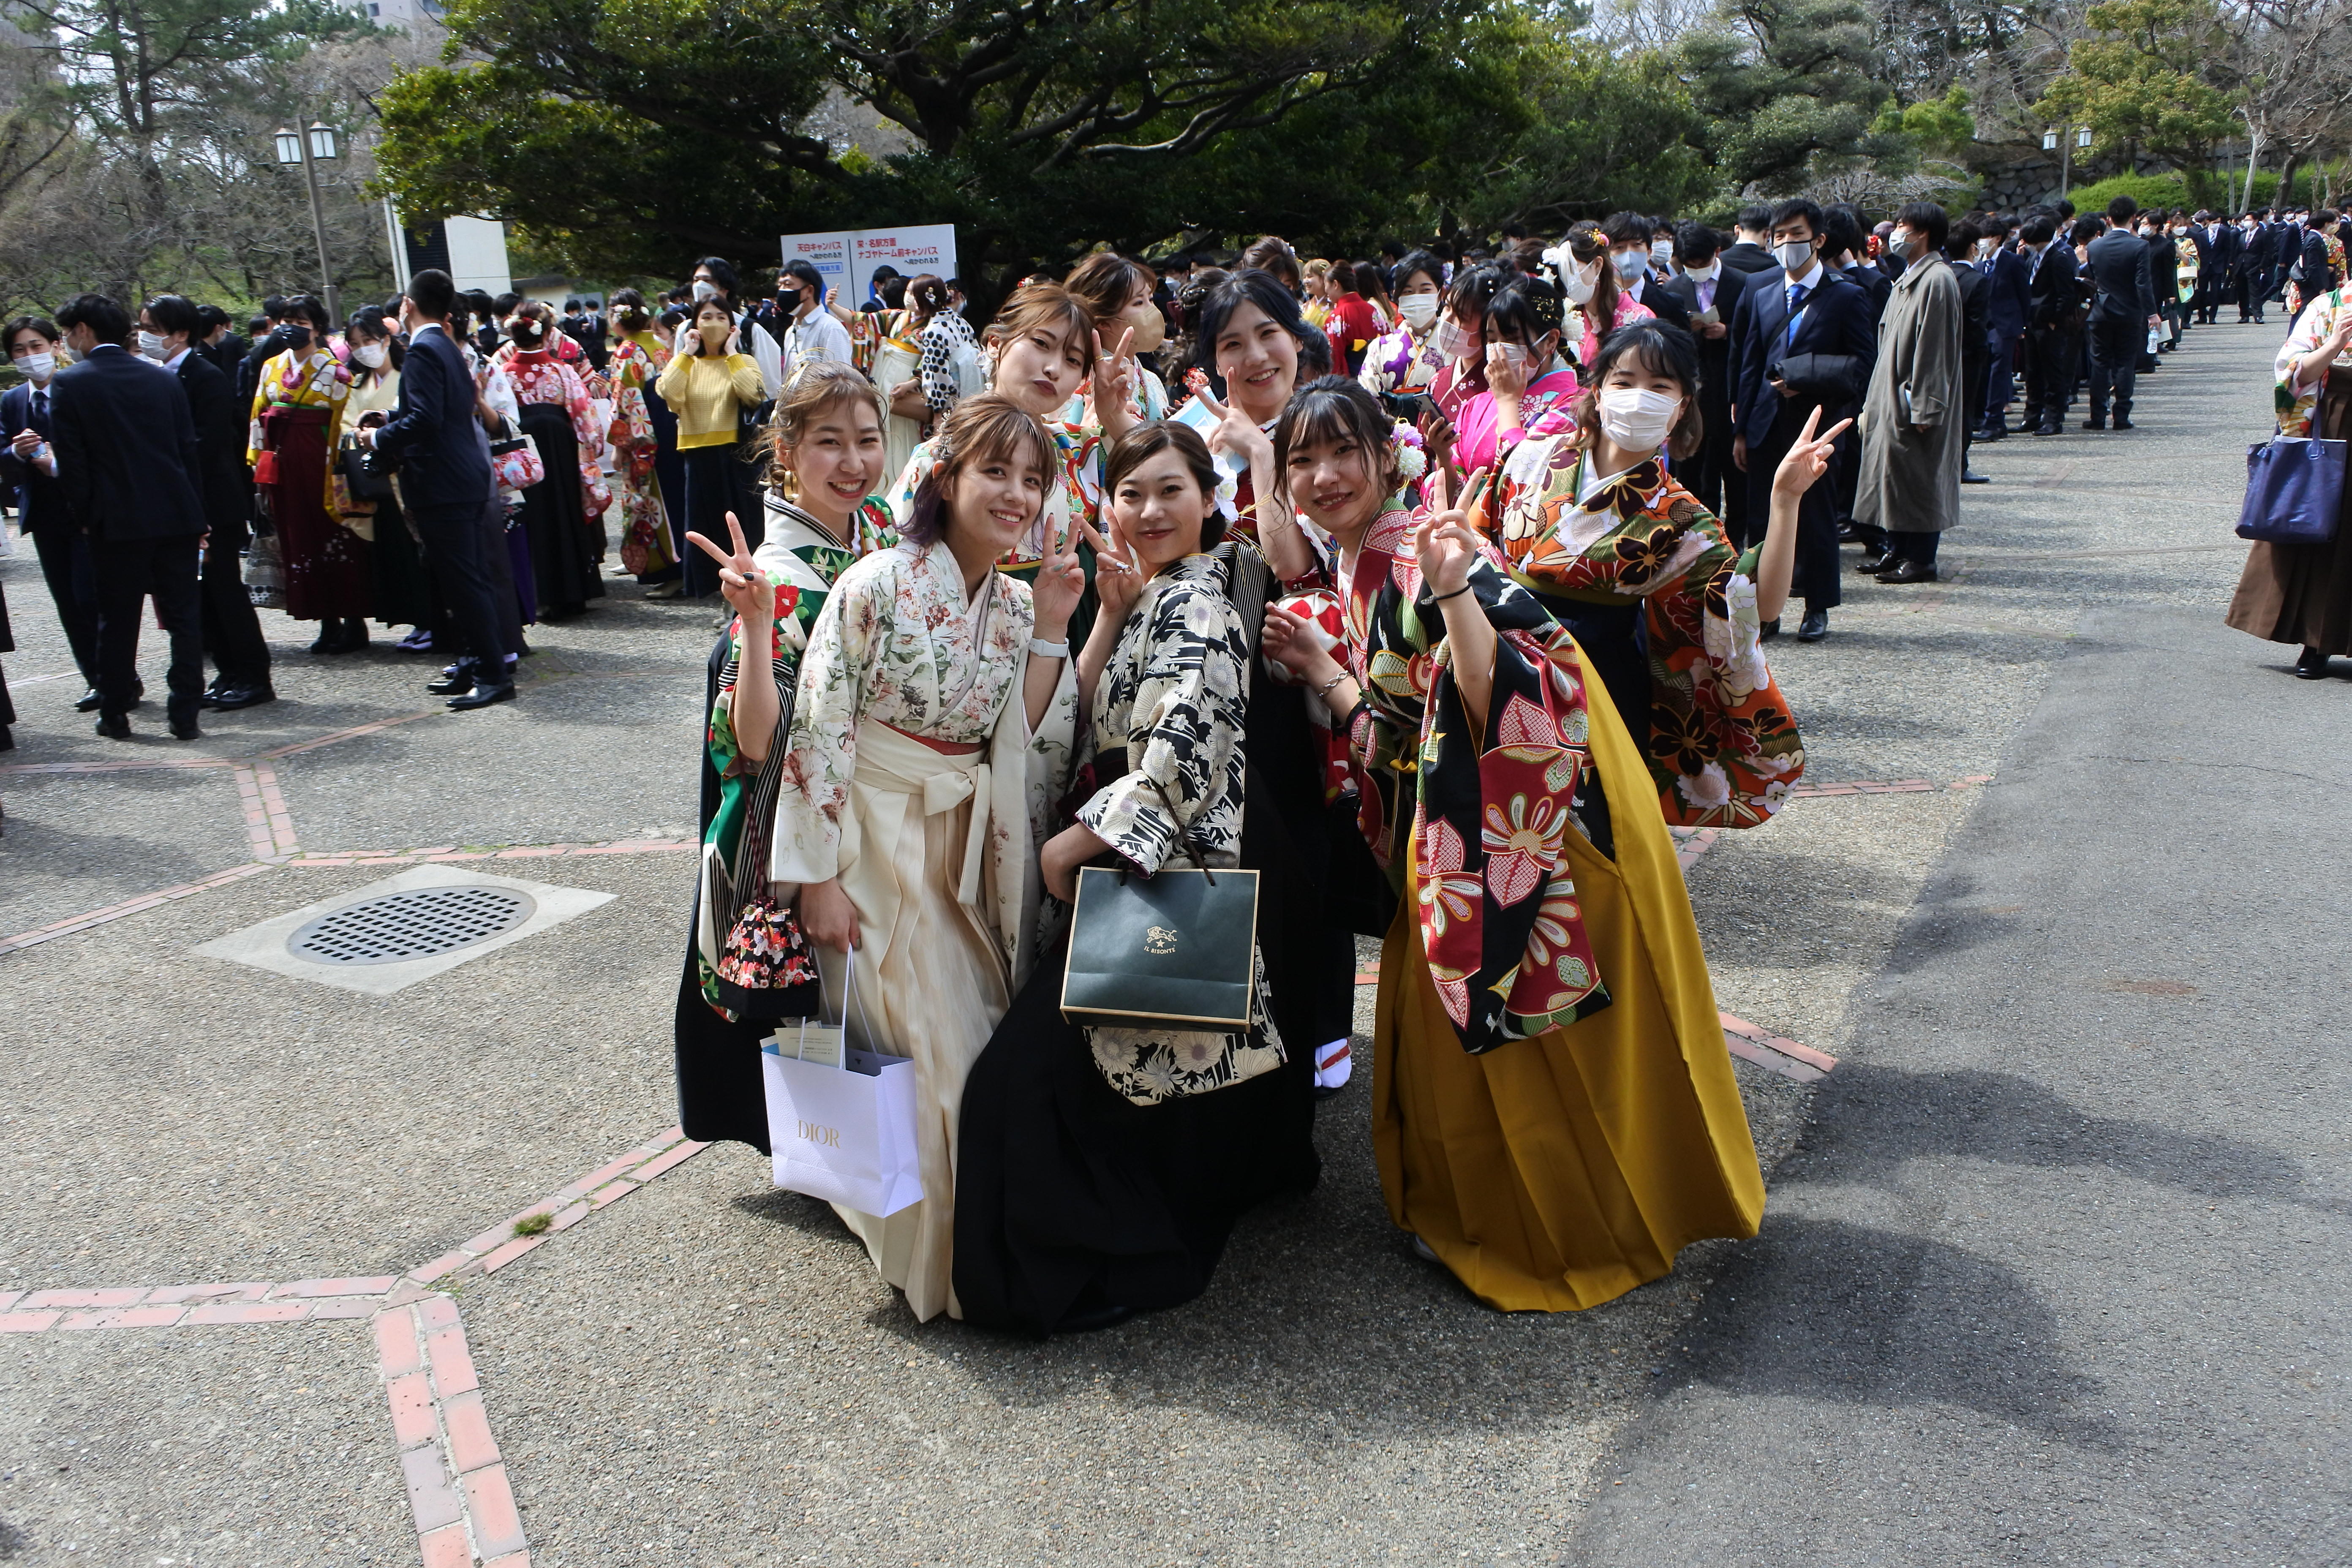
pixel 841 1132
pixel 2295 490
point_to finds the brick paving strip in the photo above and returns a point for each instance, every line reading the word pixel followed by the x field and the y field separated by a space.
pixel 458 1491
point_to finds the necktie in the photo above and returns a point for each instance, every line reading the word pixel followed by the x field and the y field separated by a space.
pixel 41 405
pixel 1707 296
pixel 1796 304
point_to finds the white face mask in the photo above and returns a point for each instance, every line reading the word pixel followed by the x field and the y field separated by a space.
pixel 1418 309
pixel 1637 418
pixel 370 355
pixel 705 289
pixel 39 367
pixel 1451 342
pixel 1707 274
pixel 151 344
pixel 1796 255
pixel 1662 254
pixel 1632 264
pixel 1577 283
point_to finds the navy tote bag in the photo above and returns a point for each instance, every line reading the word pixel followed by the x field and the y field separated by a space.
pixel 2295 492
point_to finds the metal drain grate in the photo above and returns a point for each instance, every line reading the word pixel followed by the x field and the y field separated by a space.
pixel 417 924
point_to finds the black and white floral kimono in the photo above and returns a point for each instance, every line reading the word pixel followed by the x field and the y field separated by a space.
pixel 1165 754
pixel 1102 1169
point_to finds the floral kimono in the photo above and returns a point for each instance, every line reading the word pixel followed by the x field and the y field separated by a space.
pixel 2295 403
pixel 2189 264
pixel 804 564
pixel 633 363
pixel 1398 361
pixel 911 782
pixel 539 376
pixel 1480 829
pixel 1721 744
pixel 313 380
pixel 1170 709
pixel 1629 310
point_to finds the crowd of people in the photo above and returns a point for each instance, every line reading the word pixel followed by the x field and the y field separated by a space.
pixel 1435 589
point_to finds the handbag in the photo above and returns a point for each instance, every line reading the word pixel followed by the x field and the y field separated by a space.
pixel 367 471
pixel 2295 490
pixel 265 572
pixel 762 957
pixel 1175 950
pixel 516 463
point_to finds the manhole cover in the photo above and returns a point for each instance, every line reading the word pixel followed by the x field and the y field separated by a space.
pixel 416 924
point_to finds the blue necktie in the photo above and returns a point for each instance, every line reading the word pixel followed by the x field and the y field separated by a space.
pixel 1796 303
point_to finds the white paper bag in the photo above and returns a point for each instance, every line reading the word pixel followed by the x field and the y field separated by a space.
pixel 845 1134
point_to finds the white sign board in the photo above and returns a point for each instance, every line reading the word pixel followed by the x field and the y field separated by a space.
pixel 846 259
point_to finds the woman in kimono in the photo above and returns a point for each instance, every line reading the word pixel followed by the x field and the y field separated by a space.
pixel 643 430
pixel 563 514
pixel 828 457
pixel 915 766
pixel 1101 1168
pixel 1554 1113
pixel 1042 347
pixel 401 591
pixel 2301 594
pixel 298 417
pixel 1402 359
pixel 1590 281
pixel 1665 611
pixel 1459 339
pixel 1116 292
pixel 1528 386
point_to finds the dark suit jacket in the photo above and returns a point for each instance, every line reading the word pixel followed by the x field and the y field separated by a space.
pixel 39 503
pixel 444 458
pixel 2011 300
pixel 1714 353
pixel 1664 306
pixel 227 355
pixel 2222 254
pixel 127 456
pixel 2163 268
pixel 1746 256
pixel 1976 319
pixel 1827 360
pixel 2121 282
pixel 2312 269
pixel 220 445
pixel 1876 284
pixel 2054 292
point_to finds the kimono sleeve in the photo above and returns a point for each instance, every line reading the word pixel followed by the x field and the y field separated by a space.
pixel 1187 728
pixel 821 750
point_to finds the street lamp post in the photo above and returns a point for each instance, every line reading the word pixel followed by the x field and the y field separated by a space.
pixel 2063 141
pixel 311 150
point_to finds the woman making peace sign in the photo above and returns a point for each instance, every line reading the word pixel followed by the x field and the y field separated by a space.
pixel 904 821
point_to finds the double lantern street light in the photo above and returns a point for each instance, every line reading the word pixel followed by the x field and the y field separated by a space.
pixel 310 149
pixel 2064 143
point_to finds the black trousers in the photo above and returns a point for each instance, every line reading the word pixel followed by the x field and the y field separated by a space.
pixel 2000 384
pixel 2050 354
pixel 130 570
pixel 454 554
pixel 2252 286
pixel 1919 548
pixel 232 628
pixel 2115 348
pixel 718 481
pixel 1816 578
pixel 1711 475
pixel 66 568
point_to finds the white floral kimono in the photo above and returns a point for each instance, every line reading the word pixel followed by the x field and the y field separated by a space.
pixel 935 851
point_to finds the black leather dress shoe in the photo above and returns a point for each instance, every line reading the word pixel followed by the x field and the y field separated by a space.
pixel 1814 626
pixel 456 681
pixel 2094 424
pixel 1969 476
pixel 482 697
pixel 1908 572
pixel 1877 560
pixel 2123 424
pixel 1768 630
pixel 117 728
pixel 233 697
pixel 1846 534
pixel 2310 665
pixel 89 701
pixel 184 728
pixel 1993 433
pixel 2049 430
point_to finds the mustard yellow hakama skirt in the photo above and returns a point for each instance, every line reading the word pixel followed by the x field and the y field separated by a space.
pixel 1558 1172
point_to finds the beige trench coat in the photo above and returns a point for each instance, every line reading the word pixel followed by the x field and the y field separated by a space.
pixel 1910 481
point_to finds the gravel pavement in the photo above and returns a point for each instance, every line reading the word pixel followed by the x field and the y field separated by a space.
pixel 2045 1272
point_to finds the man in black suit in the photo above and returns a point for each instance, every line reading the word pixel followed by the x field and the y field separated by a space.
pixel 1629 236
pixel 2255 252
pixel 219 340
pixel 2052 344
pixel 1974 275
pixel 2218 277
pixel 446 487
pixel 2311 274
pixel 2123 309
pixel 1708 293
pixel 167 327
pixel 28 467
pixel 2007 304
pixel 1753 226
pixel 128 463
pixel 1807 339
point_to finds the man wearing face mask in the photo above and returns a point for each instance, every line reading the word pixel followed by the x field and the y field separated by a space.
pixel 1630 239
pixel 1709 293
pixel 128 461
pixel 28 466
pixel 1806 340
pixel 232 630
pixel 810 330
pixel 1914 420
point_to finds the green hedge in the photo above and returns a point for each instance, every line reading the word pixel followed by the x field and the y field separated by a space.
pixel 2170 190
